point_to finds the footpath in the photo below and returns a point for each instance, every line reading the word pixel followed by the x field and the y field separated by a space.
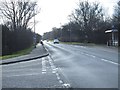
pixel 37 52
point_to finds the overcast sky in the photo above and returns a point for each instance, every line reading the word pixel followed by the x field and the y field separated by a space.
pixel 54 13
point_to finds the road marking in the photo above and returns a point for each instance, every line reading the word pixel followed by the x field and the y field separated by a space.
pixel 87 54
pixel 79 46
pixel 101 59
pixel 55 70
pixel 90 55
pixel 58 77
pixel 17 70
pixel 93 56
pixel 22 75
pixel 66 85
pixel 20 66
pixel 43 66
pixel 82 46
pixel 61 81
pixel 109 61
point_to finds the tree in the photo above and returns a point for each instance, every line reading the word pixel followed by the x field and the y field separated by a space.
pixel 16 35
pixel 89 17
pixel 116 15
pixel 116 19
pixel 18 12
pixel 88 14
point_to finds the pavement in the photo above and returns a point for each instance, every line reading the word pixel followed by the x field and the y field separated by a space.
pixel 36 53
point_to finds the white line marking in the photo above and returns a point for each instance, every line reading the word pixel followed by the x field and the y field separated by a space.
pixel 109 61
pixel 58 77
pixel 22 75
pixel 55 70
pixel 57 74
pixel 87 54
pixel 18 70
pixel 66 85
pixel 93 56
pixel 43 66
pixel 61 81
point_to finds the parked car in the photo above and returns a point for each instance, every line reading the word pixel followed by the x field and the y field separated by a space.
pixel 56 41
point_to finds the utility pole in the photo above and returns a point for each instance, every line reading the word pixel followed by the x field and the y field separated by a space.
pixel 70 24
pixel 61 32
pixel 34 32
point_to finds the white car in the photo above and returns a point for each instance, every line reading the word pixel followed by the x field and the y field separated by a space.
pixel 56 41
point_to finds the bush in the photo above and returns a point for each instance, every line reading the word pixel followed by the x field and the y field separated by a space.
pixel 13 41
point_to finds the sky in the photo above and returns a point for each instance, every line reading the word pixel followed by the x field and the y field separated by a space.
pixel 54 13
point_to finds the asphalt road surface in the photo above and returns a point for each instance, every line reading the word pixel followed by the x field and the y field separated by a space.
pixel 67 66
pixel 86 66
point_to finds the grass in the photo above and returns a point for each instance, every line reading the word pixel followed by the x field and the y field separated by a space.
pixel 71 42
pixel 78 43
pixel 18 53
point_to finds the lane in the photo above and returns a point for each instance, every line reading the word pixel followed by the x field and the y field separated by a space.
pixel 110 54
pixel 39 73
pixel 83 68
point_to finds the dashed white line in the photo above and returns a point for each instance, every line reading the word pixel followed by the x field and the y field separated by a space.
pixel 109 61
pixel 101 59
pixel 54 70
pixel 66 85
pixel 61 81
pixel 90 55
pixel 58 77
pixel 93 56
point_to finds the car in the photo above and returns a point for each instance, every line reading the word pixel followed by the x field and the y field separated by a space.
pixel 56 41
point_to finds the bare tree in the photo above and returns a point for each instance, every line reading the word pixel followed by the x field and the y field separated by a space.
pixel 116 15
pixel 116 19
pixel 87 15
pixel 18 12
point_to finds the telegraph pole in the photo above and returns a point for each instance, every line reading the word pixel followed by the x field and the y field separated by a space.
pixel 34 32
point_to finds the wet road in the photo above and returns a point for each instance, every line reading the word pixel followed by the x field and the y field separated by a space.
pixel 39 73
pixel 66 66
pixel 86 66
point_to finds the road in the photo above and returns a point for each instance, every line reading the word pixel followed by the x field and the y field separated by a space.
pixel 67 66
pixel 39 73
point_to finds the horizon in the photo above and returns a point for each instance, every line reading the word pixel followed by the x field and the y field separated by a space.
pixel 53 15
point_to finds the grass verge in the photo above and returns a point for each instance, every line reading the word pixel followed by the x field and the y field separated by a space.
pixel 18 53
pixel 78 43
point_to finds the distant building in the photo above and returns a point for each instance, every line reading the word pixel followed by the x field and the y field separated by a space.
pixel 112 37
